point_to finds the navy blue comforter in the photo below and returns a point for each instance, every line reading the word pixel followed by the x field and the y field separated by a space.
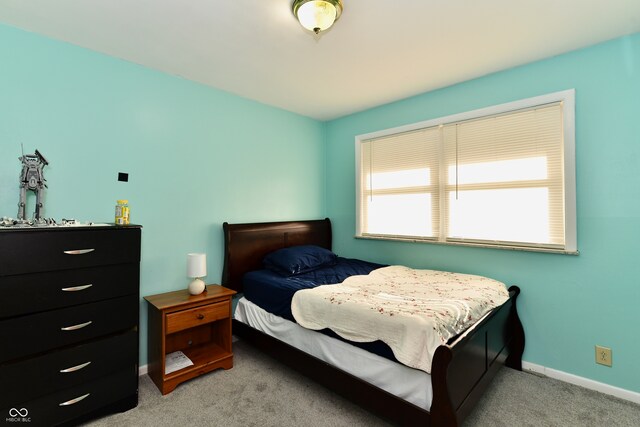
pixel 273 292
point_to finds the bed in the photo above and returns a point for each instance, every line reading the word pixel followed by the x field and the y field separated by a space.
pixel 460 371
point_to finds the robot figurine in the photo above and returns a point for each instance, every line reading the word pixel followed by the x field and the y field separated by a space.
pixel 32 178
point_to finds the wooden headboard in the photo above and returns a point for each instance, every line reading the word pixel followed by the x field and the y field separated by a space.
pixel 245 245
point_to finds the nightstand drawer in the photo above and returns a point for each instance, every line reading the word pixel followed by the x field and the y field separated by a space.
pixel 196 316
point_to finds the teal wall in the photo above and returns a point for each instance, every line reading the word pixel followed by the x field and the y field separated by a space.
pixel 568 303
pixel 196 156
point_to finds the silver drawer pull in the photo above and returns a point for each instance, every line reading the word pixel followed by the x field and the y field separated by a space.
pixel 72 401
pixel 75 368
pixel 78 326
pixel 78 251
pixel 77 288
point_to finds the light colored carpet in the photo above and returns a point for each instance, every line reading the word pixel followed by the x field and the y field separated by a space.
pixel 260 391
pixel 522 399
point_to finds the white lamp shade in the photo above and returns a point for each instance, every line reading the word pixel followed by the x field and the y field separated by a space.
pixel 196 265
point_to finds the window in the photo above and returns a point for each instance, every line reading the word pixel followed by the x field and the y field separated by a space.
pixel 502 176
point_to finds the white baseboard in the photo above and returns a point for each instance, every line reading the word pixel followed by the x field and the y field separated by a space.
pixel 143 370
pixel 621 393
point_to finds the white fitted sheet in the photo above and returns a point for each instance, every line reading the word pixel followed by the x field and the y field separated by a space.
pixel 407 383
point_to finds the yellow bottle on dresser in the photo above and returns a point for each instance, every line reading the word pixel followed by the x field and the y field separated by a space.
pixel 122 212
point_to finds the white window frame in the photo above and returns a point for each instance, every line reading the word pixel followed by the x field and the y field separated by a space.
pixel 566 97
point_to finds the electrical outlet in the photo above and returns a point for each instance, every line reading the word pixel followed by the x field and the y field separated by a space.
pixel 603 355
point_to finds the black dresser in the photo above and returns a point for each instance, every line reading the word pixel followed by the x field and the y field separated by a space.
pixel 69 309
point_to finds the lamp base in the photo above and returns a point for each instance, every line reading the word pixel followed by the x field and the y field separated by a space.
pixel 197 286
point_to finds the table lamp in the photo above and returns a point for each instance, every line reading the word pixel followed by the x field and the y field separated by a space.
pixel 196 269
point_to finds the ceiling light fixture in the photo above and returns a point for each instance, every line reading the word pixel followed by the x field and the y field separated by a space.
pixel 317 15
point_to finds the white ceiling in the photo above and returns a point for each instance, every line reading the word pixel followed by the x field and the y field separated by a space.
pixel 379 51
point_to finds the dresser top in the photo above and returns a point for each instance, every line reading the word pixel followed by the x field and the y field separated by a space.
pixel 100 226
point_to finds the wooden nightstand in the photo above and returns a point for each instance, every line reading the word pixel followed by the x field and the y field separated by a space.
pixel 197 325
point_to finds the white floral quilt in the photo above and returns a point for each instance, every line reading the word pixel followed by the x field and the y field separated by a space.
pixel 412 311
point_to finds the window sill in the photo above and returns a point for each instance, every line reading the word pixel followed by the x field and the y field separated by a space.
pixel 473 245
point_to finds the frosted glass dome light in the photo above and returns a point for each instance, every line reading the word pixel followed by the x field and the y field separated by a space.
pixel 317 15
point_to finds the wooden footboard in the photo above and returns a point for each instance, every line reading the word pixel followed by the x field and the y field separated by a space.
pixel 460 372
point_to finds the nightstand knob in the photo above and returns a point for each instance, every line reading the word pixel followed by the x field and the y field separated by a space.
pixel 200 316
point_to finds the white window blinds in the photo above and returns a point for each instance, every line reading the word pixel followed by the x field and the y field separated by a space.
pixel 504 178
pixel 496 179
pixel 400 184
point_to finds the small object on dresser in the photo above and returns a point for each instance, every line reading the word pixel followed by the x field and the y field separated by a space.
pixel 32 179
pixel 196 269
pixel 122 212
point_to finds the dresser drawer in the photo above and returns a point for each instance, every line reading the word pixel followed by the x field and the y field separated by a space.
pixel 186 319
pixel 31 293
pixel 32 251
pixel 59 370
pixel 77 401
pixel 27 335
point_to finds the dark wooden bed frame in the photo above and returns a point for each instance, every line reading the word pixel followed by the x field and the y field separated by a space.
pixel 460 372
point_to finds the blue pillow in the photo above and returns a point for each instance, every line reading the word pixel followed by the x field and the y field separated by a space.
pixel 299 259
